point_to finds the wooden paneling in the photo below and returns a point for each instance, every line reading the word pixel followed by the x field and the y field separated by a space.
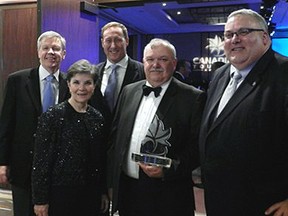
pixel 18 31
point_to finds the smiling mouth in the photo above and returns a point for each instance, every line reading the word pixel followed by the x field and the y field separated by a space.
pixel 156 71
pixel 50 59
pixel 237 49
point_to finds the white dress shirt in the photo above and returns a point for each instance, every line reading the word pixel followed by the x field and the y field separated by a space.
pixel 121 70
pixel 145 114
pixel 43 73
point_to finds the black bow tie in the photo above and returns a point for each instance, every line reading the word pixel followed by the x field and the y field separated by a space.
pixel 147 90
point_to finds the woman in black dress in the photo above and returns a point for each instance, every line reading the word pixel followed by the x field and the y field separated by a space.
pixel 68 176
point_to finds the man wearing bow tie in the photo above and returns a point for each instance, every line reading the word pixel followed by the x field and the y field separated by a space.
pixel 156 121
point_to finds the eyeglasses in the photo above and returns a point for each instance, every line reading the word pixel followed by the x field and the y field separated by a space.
pixel 240 32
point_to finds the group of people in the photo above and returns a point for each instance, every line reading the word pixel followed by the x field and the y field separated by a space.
pixel 138 146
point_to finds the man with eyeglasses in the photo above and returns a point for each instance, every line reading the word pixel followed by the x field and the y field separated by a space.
pixel 243 137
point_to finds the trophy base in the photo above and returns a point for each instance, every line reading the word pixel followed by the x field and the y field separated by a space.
pixel 152 160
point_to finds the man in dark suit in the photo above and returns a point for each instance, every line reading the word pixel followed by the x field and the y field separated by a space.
pixel 115 39
pixel 244 145
pixel 21 108
pixel 183 71
pixel 164 123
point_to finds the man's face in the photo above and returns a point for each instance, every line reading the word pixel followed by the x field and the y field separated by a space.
pixel 51 54
pixel 159 65
pixel 242 51
pixel 114 44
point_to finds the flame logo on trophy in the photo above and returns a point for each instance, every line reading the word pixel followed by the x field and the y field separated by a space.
pixel 156 140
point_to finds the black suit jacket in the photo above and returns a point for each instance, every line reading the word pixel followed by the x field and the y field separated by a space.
pixel 134 72
pixel 18 122
pixel 244 151
pixel 180 109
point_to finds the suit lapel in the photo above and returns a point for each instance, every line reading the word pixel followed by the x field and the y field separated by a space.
pixel 100 71
pixel 33 89
pixel 219 89
pixel 63 89
pixel 131 72
pixel 247 86
pixel 167 100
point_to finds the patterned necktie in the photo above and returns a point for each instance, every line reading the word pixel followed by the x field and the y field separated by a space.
pixel 229 91
pixel 48 93
pixel 110 91
pixel 147 90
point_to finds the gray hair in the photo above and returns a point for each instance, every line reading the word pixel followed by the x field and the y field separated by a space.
pixel 254 15
pixel 160 42
pixel 51 34
pixel 81 66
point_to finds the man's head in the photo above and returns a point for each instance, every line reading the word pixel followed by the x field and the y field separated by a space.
pixel 184 67
pixel 159 60
pixel 114 39
pixel 51 48
pixel 246 38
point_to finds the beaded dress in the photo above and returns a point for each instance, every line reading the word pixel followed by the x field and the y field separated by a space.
pixel 69 158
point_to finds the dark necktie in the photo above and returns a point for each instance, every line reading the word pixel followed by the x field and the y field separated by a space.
pixel 110 91
pixel 229 91
pixel 147 90
pixel 48 93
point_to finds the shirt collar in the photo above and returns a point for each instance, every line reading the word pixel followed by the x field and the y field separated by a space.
pixel 122 63
pixel 43 73
pixel 244 72
pixel 164 86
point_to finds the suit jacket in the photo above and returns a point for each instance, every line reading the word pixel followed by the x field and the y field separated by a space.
pixel 134 72
pixel 21 108
pixel 180 109
pixel 244 151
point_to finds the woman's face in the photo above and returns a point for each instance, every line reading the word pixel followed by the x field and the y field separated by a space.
pixel 81 87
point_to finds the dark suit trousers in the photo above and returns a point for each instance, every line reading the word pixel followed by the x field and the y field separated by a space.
pixel 22 201
pixel 146 197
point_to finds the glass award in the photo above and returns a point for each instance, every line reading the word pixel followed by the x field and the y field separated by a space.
pixel 153 160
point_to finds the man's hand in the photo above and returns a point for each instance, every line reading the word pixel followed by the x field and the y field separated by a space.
pixel 41 210
pixel 278 209
pixel 104 203
pixel 152 171
pixel 3 175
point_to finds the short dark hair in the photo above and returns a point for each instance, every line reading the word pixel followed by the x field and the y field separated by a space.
pixel 82 66
pixel 181 63
pixel 115 24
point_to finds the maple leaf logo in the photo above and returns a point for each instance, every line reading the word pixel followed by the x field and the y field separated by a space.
pixel 156 140
pixel 216 45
